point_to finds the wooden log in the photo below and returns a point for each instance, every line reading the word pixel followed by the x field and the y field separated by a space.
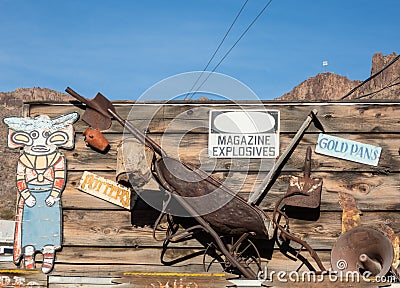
pixel 142 279
pixel 148 260
pixel 192 148
pixel 113 228
pixel 151 256
pixel 373 192
pixel 70 273
pixel 336 117
pixel 12 276
pixel 109 228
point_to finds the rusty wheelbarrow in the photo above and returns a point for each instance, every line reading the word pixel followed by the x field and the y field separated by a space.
pixel 232 229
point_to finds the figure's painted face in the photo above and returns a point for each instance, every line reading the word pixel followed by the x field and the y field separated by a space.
pixel 41 135
pixel 40 141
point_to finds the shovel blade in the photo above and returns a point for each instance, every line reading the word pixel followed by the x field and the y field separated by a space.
pixel 310 188
pixel 93 117
pixel 307 206
pixel 101 101
pixel 96 120
pixel 303 197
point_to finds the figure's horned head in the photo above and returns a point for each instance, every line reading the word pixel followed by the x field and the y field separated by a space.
pixel 41 135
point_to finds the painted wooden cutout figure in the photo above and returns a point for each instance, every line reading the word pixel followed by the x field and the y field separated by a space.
pixel 41 176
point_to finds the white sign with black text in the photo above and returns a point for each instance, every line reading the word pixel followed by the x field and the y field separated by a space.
pixel 243 134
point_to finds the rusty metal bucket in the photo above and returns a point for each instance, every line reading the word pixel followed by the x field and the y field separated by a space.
pixel 363 249
pixel 303 197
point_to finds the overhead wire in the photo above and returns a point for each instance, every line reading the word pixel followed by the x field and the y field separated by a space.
pixel 370 78
pixel 233 46
pixel 219 46
pixel 389 85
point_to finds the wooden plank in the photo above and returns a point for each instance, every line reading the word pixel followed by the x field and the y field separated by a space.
pixel 151 257
pixel 193 145
pixel 371 191
pixel 118 260
pixel 85 281
pixel 84 273
pixel 145 279
pixel 176 280
pixel 145 273
pixel 342 118
pixel 126 256
pixel 70 263
pixel 112 270
pixel 113 228
pixel 192 149
pixel 173 279
pixel 12 276
pixel 109 228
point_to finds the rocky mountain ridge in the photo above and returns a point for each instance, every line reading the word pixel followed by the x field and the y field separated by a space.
pixel 332 87
pixel 16 98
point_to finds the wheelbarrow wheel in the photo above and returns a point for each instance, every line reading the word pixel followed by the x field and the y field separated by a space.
pixel 244 251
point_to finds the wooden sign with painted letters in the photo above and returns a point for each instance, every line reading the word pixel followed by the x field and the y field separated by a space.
pixel 348 149
pixel 105 189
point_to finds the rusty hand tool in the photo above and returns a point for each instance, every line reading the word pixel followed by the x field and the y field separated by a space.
pixel 100 113
pixel 96 114
pixel 308 190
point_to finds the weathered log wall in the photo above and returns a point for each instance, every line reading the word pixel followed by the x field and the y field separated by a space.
pixel 99 238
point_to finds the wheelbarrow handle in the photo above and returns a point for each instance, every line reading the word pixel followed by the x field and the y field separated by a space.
pixel 139 135
pixel 269 180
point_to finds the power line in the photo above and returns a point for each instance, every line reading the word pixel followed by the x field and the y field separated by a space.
pixel 219 46
pixel 370 78
pixel 237 41
pixel 391 84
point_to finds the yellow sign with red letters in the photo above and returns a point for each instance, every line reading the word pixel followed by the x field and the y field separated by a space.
pixel 105 189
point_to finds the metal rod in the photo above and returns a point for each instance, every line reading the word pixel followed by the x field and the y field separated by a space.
pixel 88 103
pixel 246 272
pixel 139 135
pixel 269 180
pixel 290 236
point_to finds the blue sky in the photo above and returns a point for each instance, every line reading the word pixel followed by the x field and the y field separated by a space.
pixel 122 48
